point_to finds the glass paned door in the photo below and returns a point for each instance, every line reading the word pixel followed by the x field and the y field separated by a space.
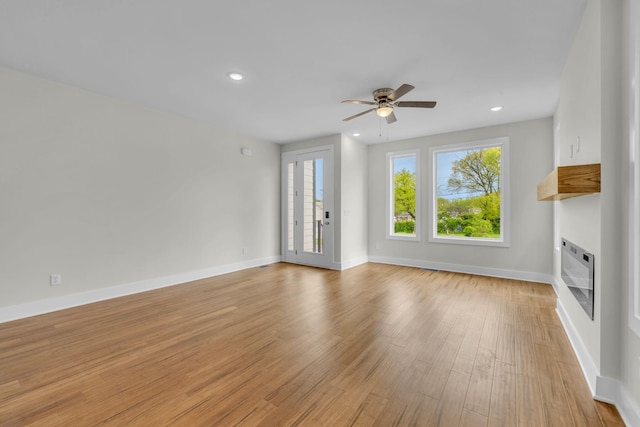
pixel 290 199
pixel 308 231
pixel 312 205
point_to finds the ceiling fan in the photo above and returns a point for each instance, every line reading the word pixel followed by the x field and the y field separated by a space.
pixel 385 100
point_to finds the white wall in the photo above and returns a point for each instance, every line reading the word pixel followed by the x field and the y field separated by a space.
pixel 354 202
pixel 593 105
pixel 529 256
pixel 630 354
pixel 578 115
pixel 107 193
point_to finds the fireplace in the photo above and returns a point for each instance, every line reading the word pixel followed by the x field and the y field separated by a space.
pixel 577 273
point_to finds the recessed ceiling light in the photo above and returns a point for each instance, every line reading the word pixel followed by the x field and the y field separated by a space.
pixel 235 76
pixel 496 108
pixel 356 134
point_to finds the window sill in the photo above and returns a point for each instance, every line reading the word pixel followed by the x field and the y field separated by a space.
pixel 470 242
pixel 410 238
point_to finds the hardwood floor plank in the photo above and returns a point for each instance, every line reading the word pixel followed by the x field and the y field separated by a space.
pixel 367 367
pixel 362 411
pixel 440 371
pixel 292 345
pixel 416 410
pixel 608 413
pixel 583 408
pixel 254 415
pixel 310 411
pixel 506 345
pixel 502 408
pixel 472 337
pixel 531 410
pixel 451 404
pixel 560 344
pixel 473 419
pixel 552 390
pixel 529 403
pixel 490 330
pixel 478 396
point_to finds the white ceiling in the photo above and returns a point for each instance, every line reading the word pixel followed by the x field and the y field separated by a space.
pixel 302 58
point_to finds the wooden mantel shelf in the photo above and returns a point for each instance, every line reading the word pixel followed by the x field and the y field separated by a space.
pixel 570 181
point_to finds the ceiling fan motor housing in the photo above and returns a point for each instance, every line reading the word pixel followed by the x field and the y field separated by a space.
pixel 382 95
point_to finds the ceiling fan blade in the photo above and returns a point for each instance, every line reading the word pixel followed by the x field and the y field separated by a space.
pixel 358 115
pixel 402 90
pixel 391 118
pixel 354 101
pixel 419 104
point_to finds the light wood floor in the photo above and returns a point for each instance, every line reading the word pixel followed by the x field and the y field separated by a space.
pixel 292 345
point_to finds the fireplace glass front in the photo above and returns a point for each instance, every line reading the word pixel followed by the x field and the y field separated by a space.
pixel 577 273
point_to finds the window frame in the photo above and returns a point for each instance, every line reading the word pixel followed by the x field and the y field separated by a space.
pixel 389 211
pixel 505 218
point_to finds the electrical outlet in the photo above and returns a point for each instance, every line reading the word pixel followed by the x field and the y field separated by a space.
pixel 244 251
pixel 55 279
pixel 377 246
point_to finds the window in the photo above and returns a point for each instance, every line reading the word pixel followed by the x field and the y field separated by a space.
pixel 469 188
pixel 404 195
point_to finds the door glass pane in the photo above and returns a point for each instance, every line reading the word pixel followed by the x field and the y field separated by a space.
pixel 313 201
pixel 290 202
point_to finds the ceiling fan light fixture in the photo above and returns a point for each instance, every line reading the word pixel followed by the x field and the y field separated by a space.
pixel 384 111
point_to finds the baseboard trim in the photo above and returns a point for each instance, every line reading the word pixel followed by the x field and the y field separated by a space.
pixel 589 368
pixel 34 308
pixel 468 269
pixel 338 266
pixel 345 265
pixel 612 391
pixel 556 286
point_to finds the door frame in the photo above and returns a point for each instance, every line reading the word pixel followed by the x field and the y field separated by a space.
pixel 327 260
